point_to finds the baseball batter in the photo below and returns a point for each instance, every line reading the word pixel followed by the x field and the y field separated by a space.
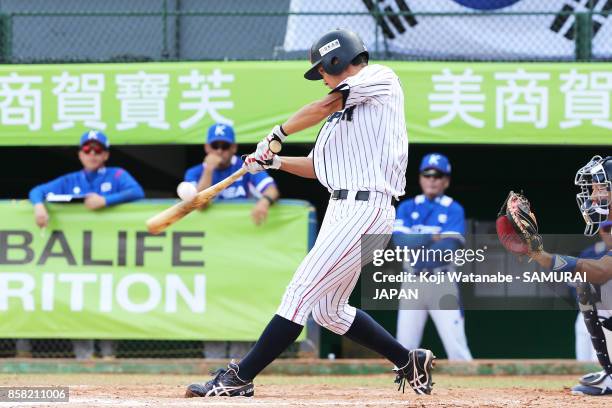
pixel 594 201
pixel 360 156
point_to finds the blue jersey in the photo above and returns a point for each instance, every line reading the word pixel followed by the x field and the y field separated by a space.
pixel 596 251
pixel 418 218
pixel 249 185
pixel 419 215
pixel 114 183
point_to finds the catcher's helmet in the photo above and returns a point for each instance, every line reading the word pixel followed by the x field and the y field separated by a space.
pixel 334 51
pixel 597 172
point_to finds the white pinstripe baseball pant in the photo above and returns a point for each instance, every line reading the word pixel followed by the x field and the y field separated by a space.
pixel 325 279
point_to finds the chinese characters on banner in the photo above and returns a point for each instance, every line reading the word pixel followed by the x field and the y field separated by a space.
pixel 199 97
pixel 159 103
pixel 20 102
pixel 141 98
pixel 520 97
pixel 78 100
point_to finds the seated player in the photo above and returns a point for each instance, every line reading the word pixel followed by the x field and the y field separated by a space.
pixel 594 202
pixel 435 221
pixel 220 162
pixel 97 186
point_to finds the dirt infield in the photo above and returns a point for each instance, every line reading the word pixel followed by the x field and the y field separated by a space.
pixel 128 390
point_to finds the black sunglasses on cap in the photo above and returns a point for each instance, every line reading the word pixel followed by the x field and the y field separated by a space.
pixel 220 145
pixel 432 173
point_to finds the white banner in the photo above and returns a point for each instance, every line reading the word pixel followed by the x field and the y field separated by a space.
pixel 546 36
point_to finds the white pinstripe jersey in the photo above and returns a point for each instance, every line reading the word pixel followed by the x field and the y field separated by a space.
pixel 365 145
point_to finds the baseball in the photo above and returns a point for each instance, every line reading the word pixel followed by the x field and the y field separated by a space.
pixel 186 191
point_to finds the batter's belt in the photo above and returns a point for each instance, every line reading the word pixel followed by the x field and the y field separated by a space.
pixel 359 196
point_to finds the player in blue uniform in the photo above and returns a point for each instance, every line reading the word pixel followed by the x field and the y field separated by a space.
pixel 435 221
pixel 594 202
pixel 97 185
pixel 584 346
pixel 220 162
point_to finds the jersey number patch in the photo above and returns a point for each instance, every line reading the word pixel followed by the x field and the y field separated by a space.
pixel 346 114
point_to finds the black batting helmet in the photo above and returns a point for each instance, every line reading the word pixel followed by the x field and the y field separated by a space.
pixel 334 51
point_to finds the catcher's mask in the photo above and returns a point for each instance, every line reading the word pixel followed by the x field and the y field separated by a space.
pixel 595 182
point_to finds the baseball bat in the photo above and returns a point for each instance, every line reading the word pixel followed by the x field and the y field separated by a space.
pixel 275 145
pixel 169 216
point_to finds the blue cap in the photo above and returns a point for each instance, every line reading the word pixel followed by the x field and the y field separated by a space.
pixel 435 161
pixel 220 132
pixel 606 224
pixel 96 136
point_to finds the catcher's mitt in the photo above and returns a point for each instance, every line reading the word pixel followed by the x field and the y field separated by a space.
pixel 517 227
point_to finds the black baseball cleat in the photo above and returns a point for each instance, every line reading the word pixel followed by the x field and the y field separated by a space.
pixel 225 383
pixel 599 383
pixel 416 372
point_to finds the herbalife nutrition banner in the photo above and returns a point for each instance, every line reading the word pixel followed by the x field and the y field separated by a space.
pixel 214 275
pixel 156 103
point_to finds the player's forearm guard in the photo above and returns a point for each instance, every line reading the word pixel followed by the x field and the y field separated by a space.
pixel 563 263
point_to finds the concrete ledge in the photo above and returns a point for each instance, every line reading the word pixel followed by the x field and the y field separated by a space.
pixel 290 366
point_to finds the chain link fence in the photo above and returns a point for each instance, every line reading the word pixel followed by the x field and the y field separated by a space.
pixel 166 35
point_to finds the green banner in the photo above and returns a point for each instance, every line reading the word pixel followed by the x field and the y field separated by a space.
pixel 212 276
pixel 154 103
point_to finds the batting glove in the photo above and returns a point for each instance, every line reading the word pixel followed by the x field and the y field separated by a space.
pixel 262 152
pixel 255 166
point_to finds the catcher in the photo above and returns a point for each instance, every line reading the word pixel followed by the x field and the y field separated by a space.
pixel 517 229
